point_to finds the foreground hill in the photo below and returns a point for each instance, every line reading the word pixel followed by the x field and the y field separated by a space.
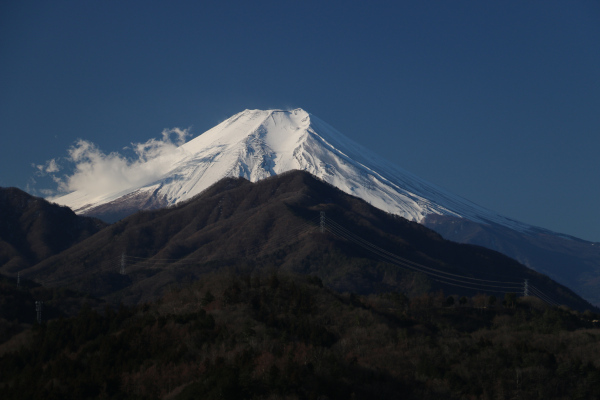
pixel 285 336
pixel 273 225
pixel 18 307
pixel 32 229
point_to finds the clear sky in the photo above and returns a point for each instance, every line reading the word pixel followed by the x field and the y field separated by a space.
pixel 497 101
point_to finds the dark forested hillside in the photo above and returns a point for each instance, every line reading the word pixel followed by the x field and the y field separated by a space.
pixel 256 336
pixel 289 288
pixel 275 225
pixel 32 229
pixel 18 310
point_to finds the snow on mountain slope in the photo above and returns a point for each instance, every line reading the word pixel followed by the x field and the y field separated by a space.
pixel 256 144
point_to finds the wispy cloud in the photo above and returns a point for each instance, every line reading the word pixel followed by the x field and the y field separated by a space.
pixel 51 166
pixel 96 172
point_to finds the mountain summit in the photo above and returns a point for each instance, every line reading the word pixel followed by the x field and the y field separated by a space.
pixel 256 144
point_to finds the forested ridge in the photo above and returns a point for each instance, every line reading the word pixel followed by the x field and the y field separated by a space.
pixel 275 222
pixel 239 293
pixel 231 335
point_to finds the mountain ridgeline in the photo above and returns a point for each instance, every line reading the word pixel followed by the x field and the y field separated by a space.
pixel 256 144
pixel 294 223
pixel 33 229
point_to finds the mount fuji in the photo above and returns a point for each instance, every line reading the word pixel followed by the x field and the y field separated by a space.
pixel 256 144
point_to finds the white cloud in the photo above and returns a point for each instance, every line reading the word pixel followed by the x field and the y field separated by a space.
pixel 47 192
pixel 96 172
pixel 50 167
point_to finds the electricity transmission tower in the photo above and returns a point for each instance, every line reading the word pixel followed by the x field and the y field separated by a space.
pixel 122 270
pixel 38 310
pixel 322 224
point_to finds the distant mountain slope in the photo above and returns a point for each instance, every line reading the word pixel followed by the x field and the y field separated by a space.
pixel 571 261
pixel 32 229
pixel 274 224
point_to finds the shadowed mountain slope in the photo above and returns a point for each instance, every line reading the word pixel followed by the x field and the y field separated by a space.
pixel 32 229
pixel 274 225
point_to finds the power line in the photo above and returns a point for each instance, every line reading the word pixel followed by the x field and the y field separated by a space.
pixel 370 245
pixel 400 261
pixel 435 274
pixel 538 293
pixel 134 263
pixel 471 288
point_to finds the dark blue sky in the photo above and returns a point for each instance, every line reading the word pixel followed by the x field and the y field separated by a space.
pixel 496 101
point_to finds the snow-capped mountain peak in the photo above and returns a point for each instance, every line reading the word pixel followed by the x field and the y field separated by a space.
pixel 256 144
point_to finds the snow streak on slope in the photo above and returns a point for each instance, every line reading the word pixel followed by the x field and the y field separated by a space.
pixel 256 144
